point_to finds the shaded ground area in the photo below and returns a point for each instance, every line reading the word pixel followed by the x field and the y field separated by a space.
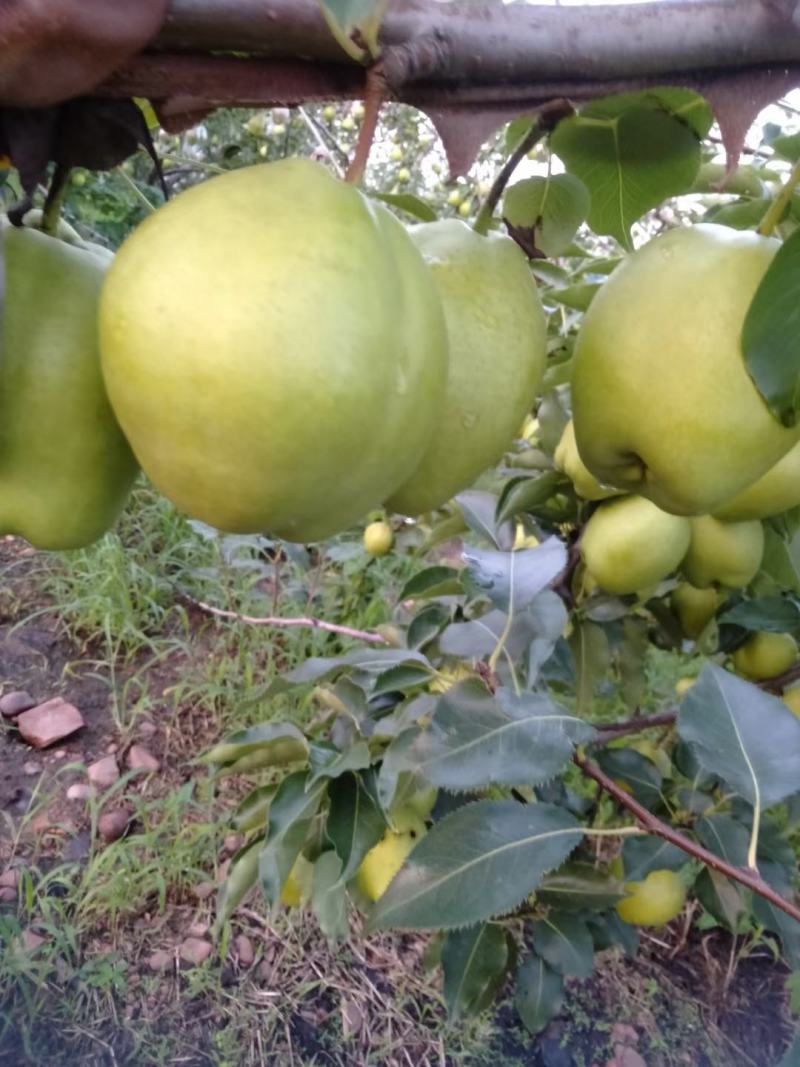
pixel 94 964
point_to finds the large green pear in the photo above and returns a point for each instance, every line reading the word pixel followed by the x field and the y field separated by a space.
pixel 723 553
pixel 275 350
pixel 774 492
pixel 566 458
pixel 497 344
pixel 662 401
pixel 629 544
pixel 65 467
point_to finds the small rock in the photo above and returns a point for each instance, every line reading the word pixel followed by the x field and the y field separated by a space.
pixel 13 704
pixel 49 723
pixel 31 767
pixel 198 929
pixel 146 729
pixel 139 759
pixel 243 950
pixel 233 842
pixel 112 748
pixel 9 879
pixel 204 890
pixel 195 950
pixel 104 772
pixel 79 791
pixel 7 895
pixel 30 940
pixel 624 1034
pixel 160 960
pixel 60 753
pixel 112 825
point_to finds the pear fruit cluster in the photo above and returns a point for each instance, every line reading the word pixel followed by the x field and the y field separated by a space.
pixel 304 359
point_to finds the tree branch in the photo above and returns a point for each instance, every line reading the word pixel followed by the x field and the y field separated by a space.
pixel 636 724
pixel 277 620
pixel 654 825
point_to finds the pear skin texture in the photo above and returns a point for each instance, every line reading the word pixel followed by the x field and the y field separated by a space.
pixel 662 401
pixel 654 901
pixel 791 698
pixel 497 344
pixel 694 608
pixel 65 467
pixel 567 459
pixel 382 862
pixel 774 492
pixel 275 350
pixel 723 553
pixel 630 544
pixel 765 655
pixel 378 539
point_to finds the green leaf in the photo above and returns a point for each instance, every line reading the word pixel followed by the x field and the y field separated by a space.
pixel 328 762
pixel 524 494
pixel 476 739
pixel 564 941
pixel 412 205
pixel 276 744
pixel 589 646
pixel 478 509
pixel 355 822
pixel 630 163
pixel 427 624
pixel 477 863
pixel 635 771
pixel 329 897
pixel 370 660
pixel 608 930
pixel 780 563
pixel 403 676
pixel 553 206
pixel 771 333
pixel 787 147
pixel 539 993
pixel 720 897
pixel 577 886
pixel 577 297
pixel 433 581
pixel 744 735
pixel 474 962
pixel 632 659
pixel 641 855
pixel 251 813
pixel 241 878
pixel 514 578
pixel 354 21
pixel 725 837
pixel 290 817
pixel 776 614
pixel 683 104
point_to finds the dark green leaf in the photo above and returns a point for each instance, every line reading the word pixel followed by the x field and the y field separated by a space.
pixel 328 762
pixel 539 993
pixel 780 564
pixel 776 614
pixel 412 205
pixel 525 494
pixel 578 886
pixel 477 863
pixel 630 163
pixel 432 582
pixel 641 855
pixel 403 676
pixel 787 928
pixel 552 206
pixel 771 333
pixel 608 930
pixel 427 624
pixel 474 962
pixel 478 509
pixel 476 739
pixel 370 660
pixel 747 737
pixel 564 941
pixel 275 743
pixel 241 878
pixel 290 816
pixel 725 837
pixel 252 811
pixel 787 147
pixel 548 616
pixel 720 897
pixel 634 771
pixel 512 579
pixel 329 897
pixel 355 822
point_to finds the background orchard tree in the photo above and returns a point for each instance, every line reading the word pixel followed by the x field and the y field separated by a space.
pixel 531 794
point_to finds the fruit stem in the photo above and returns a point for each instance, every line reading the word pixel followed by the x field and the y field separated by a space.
pixel 777 208
pixel 653 825
pixel 55 200
pixel 376 94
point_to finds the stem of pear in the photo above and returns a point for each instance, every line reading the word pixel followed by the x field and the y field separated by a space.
pixel 776 210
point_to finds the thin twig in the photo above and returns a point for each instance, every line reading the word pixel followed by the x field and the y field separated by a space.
pixel 654 825
pixel 637 723
pixel 277 620
pixel 375 95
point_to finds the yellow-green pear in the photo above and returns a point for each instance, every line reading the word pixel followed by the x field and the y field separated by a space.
pixel 630 544
pixel 654 901
pixel 694 608
pixel 765 655
pixel 497 346
pixel 662 401
pixel 723 553
pixel 774 492
pixel 567 459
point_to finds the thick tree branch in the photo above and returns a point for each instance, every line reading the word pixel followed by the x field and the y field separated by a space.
pixel 653 825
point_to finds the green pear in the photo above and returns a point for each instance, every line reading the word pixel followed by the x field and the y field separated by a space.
pixel 629 544
pixel 765 655
pixel 275 350
pixel 567 459
pixel 662 401
pixel 723 553
pixel 774 492
pixel 694 608
pixel 497 343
